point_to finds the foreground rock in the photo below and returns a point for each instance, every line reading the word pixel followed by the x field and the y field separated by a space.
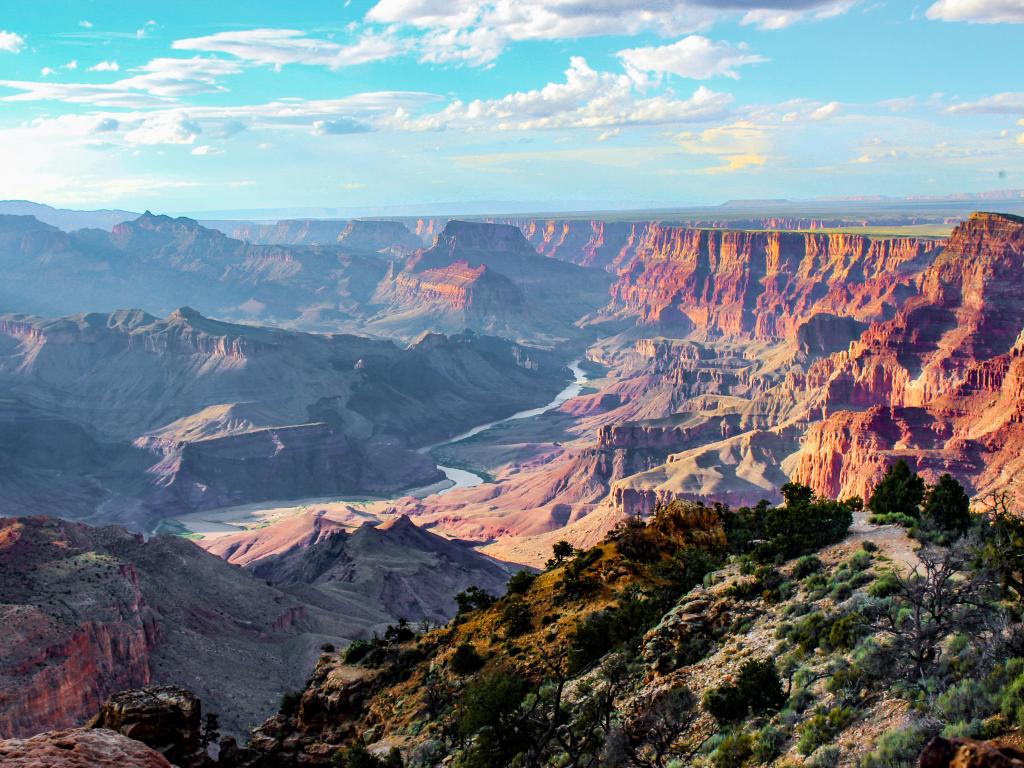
pixel 79 748
pixel 968 753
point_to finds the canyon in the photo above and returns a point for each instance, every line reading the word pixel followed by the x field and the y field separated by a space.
pixel 719 365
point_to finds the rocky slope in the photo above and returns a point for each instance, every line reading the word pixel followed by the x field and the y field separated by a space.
pixel 89 611
pixel 378 572
pixel 134 418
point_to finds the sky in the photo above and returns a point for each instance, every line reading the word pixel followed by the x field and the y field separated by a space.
pixel 227 105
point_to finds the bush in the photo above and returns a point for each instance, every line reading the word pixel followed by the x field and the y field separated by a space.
pixel 515 617
pixel 327 647
pixel 635 542
pixel 825 757
pixel 897 748
pixel 805 566
pixel 734 750
pixel 521 582
pixel 487 715
pixel 357 651
pixel 893 519
pixel 358 756
pixel 767 744
pixel 846 631
pixel 473 599
pixel 869 546
pixel 822 728
pixel 899 492
pixel 947 506
pixel 289 704
pixel 757 690
pixel 466 660
pixel 885 585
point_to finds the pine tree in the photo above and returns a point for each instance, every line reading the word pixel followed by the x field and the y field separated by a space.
pixel 899 492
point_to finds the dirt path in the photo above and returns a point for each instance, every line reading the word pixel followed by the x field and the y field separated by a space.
pixel 892 540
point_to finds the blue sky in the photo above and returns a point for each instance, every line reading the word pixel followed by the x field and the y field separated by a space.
pixel 193 106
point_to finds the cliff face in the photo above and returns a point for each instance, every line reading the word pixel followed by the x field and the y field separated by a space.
pixel 941 379
pixel 763 283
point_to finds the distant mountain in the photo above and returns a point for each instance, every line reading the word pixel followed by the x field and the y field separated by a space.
pixel 65 218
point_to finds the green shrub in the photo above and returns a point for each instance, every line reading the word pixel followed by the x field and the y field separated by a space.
pixel 357 651
pixel 466 660
pixel 358 756
pixel 897 748
pixel 757 690
pixel 899 492
pixel 289 704
pixel 869 546
pixel 473 599
pixel 515 617
pixel 825 757
pixel 806 565
pixel 734 750
pixel 846 631
pixel 947 506
pixel 767 744
pixel 822 728
pixel 885 585
pixel 521 582
pixel 893 518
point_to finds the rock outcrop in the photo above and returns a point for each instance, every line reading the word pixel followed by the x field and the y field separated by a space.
pixel 166 718
pixel 79 748
pixel 489 278
pixel 968 753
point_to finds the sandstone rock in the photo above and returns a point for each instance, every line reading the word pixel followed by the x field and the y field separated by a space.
pixel 967 753
pixel 165 717
pixel 79 748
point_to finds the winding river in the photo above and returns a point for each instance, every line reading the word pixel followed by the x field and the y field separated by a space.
pixel 217 522
pixel 461 478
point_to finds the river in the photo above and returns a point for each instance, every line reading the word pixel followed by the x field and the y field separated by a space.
pixel 462 478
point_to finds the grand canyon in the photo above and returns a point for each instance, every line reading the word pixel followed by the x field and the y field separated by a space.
pixel 379 390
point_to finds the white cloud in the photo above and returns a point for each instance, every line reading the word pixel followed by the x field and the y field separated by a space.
pixel 154 84
pixel 145 29
pixel 739 146
pixel 695 57
pixel 475 32
pixel 338 127
pixel 11 42
pixel 85 24
pixel 825 111
pixel 170 127
pixel 978 11
pixel 105 66
pixel 277 47
pixel 47 71
pixel 587 99
pixel 611 133
pixel 1010 103
pixel 71 65
pixel 206 149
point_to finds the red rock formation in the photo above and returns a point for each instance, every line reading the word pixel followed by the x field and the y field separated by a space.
pixel 968 753
pixel 763 283
pixel 79 748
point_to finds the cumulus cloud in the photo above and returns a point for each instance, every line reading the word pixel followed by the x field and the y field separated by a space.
pixel 587 99
pixel 47 71
pixel 477 31
pixel 206 149
pixel 11 42
pixel 105 66
pixel 85 24
pixel 169 127
pixel 978 11
pixel 694 56
pixel 277 47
